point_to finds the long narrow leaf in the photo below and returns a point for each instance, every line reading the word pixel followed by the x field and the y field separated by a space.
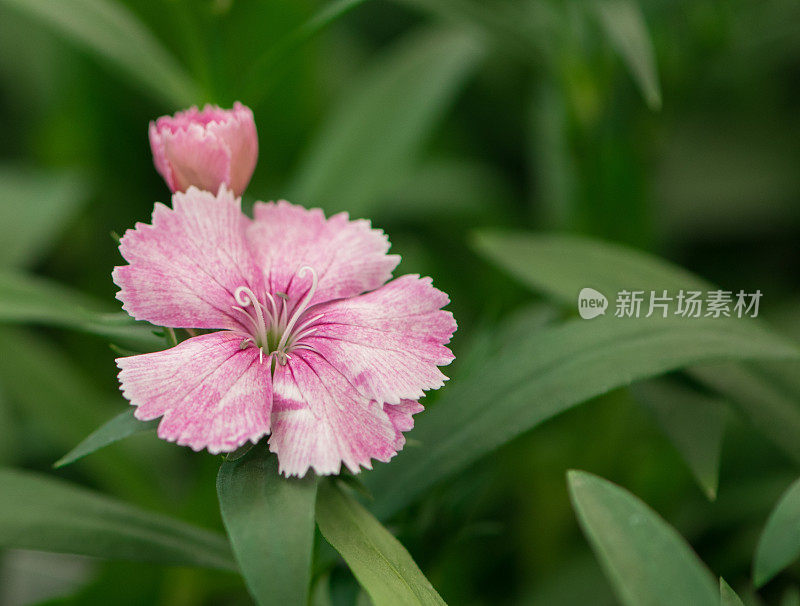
pixel 65 405
pixel 693 421
pixel 367 145
pixel 262 72
pixel 377 559
pixel 113 33
pixel 727 596
pixel 540 374
pixel 560 266
pixel 779 544
pixel 33 300
pixel 34 207
pixel 118 428
pixel 624 24
pixel 762 396
pixel 646 560
pixel 270 522
pixel 37 512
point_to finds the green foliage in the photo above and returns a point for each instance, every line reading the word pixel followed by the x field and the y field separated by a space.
pixel 432 118
pixel 33 208
pixel 727 596
pixel 27 299
pixel 41 513
pixel 624 24
pixel 270 522
pixel 118 428
pixel 379 562
pixel 561 265
pixel 368 143
pixel 116 36
pixel 694 422
pixel 646 560
pixel 538 375
pixel 779 544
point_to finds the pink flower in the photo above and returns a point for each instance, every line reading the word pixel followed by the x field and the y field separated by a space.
pixel 310 343
pixel 206 148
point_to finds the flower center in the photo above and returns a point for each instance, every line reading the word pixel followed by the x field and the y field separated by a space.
pixel 270 324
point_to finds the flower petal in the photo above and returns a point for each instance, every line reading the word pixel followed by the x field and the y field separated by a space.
pixel 401 416
pixel 206 148
pixel 319 420
pixel 185 267
pixel 389 342
pixel 238 132
pixel 211 393
pixel 196 157
pixel 348 256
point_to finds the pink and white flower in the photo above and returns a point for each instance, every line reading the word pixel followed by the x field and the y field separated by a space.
pixel 206 148
pixel 310 343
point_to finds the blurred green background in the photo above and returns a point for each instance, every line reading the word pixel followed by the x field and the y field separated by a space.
pixel 432 118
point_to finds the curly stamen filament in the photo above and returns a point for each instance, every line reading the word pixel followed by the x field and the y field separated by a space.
pixel 245 297
pixel 300 308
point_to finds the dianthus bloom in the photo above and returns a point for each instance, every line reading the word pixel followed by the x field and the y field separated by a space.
pixel 310 345
pixel 206 148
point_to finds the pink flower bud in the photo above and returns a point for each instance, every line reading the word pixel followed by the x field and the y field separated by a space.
pixel 206 148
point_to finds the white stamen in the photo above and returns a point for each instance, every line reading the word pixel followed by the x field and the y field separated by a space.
pixel 245 297
pixel 300 308
pixel 271 319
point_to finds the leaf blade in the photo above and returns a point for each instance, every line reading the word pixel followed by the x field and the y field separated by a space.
pixel 125 424
pixel 34 205
pixel 383 120
pixel 380 563
pixel 114 34
pixel 646 560
pixel 27 299
pixel 624 24
pixel 694 423
pixel 727 596
pixel 779 543
pixel 270 522
pixel 561 265
pixel 41 513
pixel 537 378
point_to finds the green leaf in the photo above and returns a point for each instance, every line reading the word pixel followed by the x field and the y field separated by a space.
pixel 791 597
pixel 727 596
pixel 540 374
pixel 118 428
pixel 380 563
pixel 41 513
pixel 115 35
pixel 261 74
pixel 270 522
pixel 625 27
pixel 367 145
pixel 525 30
pixel 693 421
pixel 779 544
pixel 764 395
pixel 646 560
pixel 46 388
pixel 34 208
pixel 447 189
pixel 33 300
pixel 561 265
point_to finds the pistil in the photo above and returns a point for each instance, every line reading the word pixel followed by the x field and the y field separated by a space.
pixel 268 324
